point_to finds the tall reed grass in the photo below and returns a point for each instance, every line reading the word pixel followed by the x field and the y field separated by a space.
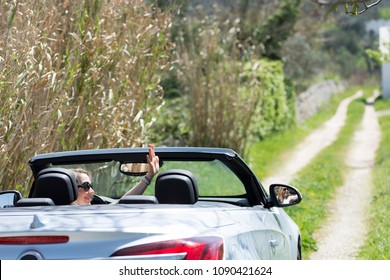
pixel 77 75
pixel 234 96
pixel 210 75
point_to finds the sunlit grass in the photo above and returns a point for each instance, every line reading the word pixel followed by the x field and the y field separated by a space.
pixel 382 104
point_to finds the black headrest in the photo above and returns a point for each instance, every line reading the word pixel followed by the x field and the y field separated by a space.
pixel 138 199
pixel 59 184
pixel 176 186
pixel 34 201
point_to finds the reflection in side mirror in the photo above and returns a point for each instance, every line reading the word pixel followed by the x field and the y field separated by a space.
pixel 284 195
pixel 9 198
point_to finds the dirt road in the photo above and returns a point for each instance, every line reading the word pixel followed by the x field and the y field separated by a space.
pixel 321 138
pixel 344 231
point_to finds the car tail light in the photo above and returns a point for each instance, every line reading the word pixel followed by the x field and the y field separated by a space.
pixel 40 239
pixel 200 248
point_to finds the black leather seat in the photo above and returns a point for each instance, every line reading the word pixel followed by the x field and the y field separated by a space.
pixel 58 184
pixel 176 186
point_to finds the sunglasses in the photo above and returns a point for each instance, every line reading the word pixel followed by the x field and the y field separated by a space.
pixel 86 186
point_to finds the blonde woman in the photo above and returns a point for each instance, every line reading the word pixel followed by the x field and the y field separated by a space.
pixel 85 188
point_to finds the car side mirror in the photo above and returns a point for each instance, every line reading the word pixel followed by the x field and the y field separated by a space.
pixel 9 198
pixel 283 195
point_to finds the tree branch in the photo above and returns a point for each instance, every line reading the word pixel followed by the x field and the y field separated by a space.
pixel 351 7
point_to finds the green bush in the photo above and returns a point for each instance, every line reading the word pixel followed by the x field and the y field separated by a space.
pixel 275 107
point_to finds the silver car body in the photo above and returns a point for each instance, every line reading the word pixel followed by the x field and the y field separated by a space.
pixel 244 227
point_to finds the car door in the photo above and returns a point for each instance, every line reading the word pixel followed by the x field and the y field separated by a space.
pixel 274 236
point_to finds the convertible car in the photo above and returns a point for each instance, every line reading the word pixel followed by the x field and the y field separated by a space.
pixel 204 204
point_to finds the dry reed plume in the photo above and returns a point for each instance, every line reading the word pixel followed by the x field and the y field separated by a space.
pixel 77 75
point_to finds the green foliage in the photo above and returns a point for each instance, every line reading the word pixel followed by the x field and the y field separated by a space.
pixel 384 12
pixel 172 126
pixel 301 61
pixel 271 33
pixel 346 47
pixel 383 104
pixel 275 107
pixel 377 57
pixel 351 8
pixel 332 45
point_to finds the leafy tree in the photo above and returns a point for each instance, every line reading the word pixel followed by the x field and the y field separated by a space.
pixel 271 34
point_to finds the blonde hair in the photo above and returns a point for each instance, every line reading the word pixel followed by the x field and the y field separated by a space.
pixel 78 172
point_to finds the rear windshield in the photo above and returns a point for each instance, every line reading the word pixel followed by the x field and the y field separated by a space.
pixel 213 178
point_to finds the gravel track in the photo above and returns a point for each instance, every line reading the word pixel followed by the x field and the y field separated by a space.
pixel 318 140
pixel 346 228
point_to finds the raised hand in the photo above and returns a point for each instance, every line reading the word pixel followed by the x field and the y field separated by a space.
pixel 153 162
